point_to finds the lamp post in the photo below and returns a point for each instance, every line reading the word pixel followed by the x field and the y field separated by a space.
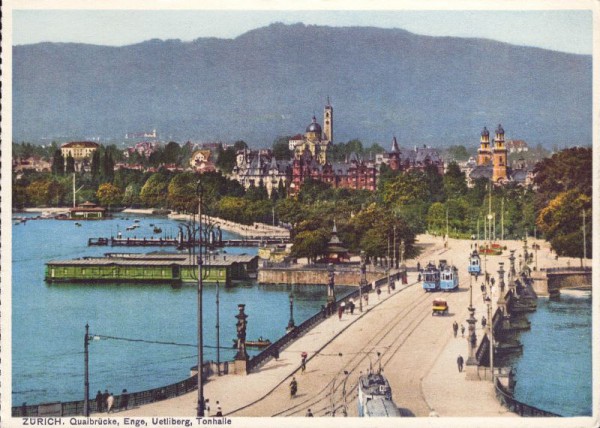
pixel 488 301
pixel 291 324
pixel 331 288
pixel 218 336
pixel 363 278
pixel 200 408
pixel 86 397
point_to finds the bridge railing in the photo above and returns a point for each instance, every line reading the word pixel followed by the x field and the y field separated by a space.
pixel 567 269
pixel 73 408
pixel 522 409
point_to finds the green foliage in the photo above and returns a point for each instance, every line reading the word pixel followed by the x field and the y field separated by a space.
pixel 46 192
pixel 239 145
pixel 458 153
pixel 455 185
pixel 311 244
pixel 225 159
pixel 181 194
pixel 58 163
pixel 109 195
pixel 281 149
pixel 406 188
pixel 70 165
pixel 155 189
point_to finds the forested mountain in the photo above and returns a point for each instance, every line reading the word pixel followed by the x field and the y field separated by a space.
pixel 269 81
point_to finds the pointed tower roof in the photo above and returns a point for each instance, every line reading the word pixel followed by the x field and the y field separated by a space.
pixel 395 148
pixel 334 238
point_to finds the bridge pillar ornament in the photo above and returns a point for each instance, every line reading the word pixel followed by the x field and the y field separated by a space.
pixel 241 358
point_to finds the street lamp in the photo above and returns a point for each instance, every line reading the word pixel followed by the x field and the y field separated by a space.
pixel 86 397
pixel 331 288
pixel 363 278
pixel 218 336
pixel 291 324
pixel 200 407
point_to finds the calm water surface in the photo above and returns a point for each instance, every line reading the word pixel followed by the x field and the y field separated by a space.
pixel 49 320
pixel 554 373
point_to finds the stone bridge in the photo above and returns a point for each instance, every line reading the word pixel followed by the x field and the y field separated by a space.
pixel 549 282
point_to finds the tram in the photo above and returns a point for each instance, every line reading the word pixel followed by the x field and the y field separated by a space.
pixel 375 397
pixel 448 278
pixel 474 264
pixel 431 277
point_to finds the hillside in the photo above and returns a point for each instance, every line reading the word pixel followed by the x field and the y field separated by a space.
pixel 269 81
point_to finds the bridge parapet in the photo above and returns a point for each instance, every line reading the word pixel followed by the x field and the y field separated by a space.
pixel 549 282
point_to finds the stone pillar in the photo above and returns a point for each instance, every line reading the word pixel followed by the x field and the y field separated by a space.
pixel 471 363
pixel 241 358
pixel 331 289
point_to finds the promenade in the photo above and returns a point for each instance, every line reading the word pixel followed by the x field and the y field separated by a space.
pixel 416 351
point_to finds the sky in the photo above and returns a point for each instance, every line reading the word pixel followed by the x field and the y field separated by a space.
pixel 561 30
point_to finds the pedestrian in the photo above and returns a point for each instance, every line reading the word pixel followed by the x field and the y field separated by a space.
pixel 206 408
pixel 483 321
pixel 309 413
pixel 109 403
pixel 419 278
pixel 219 410
pixel 276 354
pixel 378 293
pixel 482 287
pixel 105 398
pixel 460 362
pixel 340 312
pixel 419 266
pixel 293 387
pixel 351 307
pixel 303 365
pixel 124 399
pixel 366 299
pixel 462 330
pixel 99 401
pixel 455 328
pixel 343 305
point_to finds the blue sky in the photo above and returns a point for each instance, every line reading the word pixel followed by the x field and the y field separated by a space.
pixel 564 30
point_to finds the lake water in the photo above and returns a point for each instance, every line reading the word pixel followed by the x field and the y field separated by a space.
pixel 48 321
pixel 554 372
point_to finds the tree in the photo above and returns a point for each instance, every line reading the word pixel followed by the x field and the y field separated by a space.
pixel 109 195
pixel 560 222
pixel 182 192
pixel 46 192
pixel 225 159
pixel 131 196
pixel 58 163
pixel 239 145
pixel 405 188
pixel 108 166
pixel 281 149
pixel 458 153
pixel 310 244
pixel 171 152
pixel 154 191
pixel 455 184
pixel 95 166
pixel 70 166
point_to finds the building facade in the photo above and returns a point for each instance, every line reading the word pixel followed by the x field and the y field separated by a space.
pixel 81 151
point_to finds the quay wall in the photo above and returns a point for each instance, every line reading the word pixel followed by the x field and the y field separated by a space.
pixel 549 283
pixel 308 276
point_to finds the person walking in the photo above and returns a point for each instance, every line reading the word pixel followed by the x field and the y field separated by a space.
pixel 303 365
pixel 483 321
pixel 340 312
pixel 351 304
pixel 378 293
pixel 462 330
pixel 276 354
pixel 110 401
pixel 455 328
pixel 309 413
pixel 219 410
pixel 206 408
pixel 99 405
pixel 105 398
pixel 460 361
pixel 293 387
pixel 124 400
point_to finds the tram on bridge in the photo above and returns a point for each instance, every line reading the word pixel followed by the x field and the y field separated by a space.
pixel 375 397
pixel 431 277
pixel 448 278
pixel 474 264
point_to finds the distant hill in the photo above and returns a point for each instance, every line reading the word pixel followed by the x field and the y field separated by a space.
pixel 269 81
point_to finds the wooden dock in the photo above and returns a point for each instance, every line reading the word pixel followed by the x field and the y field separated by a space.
pixel 172 242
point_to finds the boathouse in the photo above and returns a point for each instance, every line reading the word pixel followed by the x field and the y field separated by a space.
pixel 87 211
pixel 168 268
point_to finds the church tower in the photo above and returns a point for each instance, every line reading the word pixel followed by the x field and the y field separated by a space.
pixel 499 155
pixel 328 122
pixel 394 156
pixel 484 154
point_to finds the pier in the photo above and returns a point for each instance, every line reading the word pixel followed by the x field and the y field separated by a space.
pixel 176 242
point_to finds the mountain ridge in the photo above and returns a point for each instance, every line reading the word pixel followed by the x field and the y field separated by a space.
pixel 269 81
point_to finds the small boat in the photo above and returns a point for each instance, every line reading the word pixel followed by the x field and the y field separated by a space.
pixel 129 228
pixel 157 230
pixel 136 220
pixel 260 343
pixel 77 224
